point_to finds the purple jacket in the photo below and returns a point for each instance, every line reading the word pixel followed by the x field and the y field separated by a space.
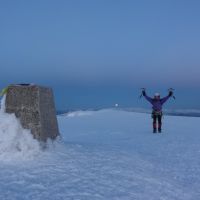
pixel 157 103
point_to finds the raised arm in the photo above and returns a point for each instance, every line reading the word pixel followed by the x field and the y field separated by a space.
pixel 163 100
pixel 147 97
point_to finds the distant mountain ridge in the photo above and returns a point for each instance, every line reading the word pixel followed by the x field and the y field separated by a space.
pixel 172 112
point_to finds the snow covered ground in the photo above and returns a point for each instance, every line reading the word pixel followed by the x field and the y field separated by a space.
pixel 103 155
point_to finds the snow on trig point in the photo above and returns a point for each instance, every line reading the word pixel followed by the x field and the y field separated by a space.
pixel 35 108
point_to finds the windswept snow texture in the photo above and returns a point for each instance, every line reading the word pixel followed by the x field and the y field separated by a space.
pixel 16 143
pixel 110 154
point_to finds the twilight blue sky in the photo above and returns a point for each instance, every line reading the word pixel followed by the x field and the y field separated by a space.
pixel 96 45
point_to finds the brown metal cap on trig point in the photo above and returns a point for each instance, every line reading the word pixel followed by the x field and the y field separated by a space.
pixel 35 108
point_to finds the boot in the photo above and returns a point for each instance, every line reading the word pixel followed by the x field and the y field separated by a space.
pixel 154 127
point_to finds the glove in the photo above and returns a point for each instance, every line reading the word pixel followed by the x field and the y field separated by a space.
pixel 170 93
pixel 143 93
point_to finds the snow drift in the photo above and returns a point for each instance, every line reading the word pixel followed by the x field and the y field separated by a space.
pixel 15 142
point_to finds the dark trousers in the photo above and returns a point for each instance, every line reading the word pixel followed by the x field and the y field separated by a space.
pixel 157 120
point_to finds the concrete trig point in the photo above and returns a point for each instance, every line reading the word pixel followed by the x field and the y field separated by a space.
pixel 34 106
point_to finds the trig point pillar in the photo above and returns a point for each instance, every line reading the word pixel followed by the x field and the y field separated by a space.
pixel 34 106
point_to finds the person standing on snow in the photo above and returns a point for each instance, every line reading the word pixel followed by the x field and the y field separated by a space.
pixel 157 103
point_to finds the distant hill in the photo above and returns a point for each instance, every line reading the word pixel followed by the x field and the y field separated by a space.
pixel 174 112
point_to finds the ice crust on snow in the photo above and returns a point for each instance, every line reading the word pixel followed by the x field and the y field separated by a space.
pixel 15 142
